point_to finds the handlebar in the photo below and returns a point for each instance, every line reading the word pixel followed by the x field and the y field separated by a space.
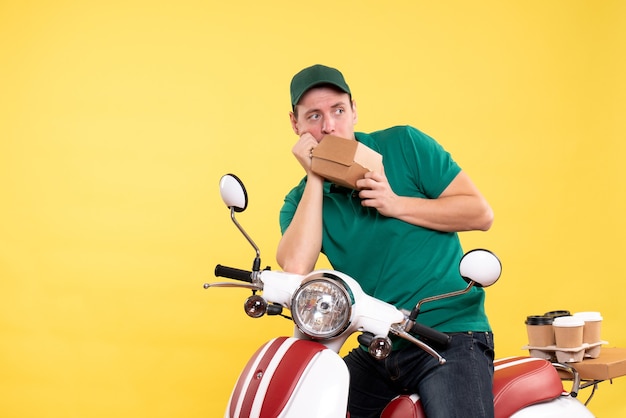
pixel 403 329
pixel 233 273
pixel 430 334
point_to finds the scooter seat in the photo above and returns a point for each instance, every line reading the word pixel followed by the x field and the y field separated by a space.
pixel 518 382
pixel 404 406
pixel 523 381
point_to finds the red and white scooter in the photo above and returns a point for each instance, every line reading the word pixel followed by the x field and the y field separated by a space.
pixel 304 376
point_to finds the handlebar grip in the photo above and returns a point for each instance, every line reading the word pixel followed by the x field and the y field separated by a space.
pixel 233 273
pixel 431 334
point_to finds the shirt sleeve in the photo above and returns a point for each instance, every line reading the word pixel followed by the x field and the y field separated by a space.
pixel 433 166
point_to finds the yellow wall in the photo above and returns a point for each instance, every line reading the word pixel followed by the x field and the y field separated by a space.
pixel 118 118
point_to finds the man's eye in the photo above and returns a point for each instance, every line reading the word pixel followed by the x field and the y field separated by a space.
pixel 339 111
pixel 314 116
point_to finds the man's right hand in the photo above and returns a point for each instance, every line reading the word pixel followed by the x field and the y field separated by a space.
pixel 303 150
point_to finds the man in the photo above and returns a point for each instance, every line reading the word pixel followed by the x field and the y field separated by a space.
pixel 397 236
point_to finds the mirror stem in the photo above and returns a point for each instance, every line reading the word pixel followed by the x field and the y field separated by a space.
pixel 416 310
pixel 257 261
pixel 256 265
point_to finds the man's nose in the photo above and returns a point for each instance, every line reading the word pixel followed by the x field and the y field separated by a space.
pixel 328 126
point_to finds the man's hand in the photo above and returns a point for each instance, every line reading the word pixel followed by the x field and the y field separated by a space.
pixel 303 149
pixel 375 192
pixel 460 207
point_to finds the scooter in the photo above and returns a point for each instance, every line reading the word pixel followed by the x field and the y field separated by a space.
pixel 304 376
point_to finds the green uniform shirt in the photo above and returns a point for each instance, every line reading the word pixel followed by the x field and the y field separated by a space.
pixel 393 260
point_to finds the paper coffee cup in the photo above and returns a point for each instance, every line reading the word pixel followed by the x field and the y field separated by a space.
pixel 568 331
pixel 593 326
pixel 540 331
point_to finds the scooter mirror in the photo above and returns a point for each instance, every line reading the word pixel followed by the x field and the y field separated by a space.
pixel 481 267
pixel 233 192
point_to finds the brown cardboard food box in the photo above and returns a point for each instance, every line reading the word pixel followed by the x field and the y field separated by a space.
pixel 344 161
pixel 610 364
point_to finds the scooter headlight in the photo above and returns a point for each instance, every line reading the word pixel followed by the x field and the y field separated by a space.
pixel 321 307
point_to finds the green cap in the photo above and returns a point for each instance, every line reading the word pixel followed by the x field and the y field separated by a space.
pixel 314 76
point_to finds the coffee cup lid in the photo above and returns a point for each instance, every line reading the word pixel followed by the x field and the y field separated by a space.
pixel 589 316
pixel 568 321
pixel 554 314
pixel 538 320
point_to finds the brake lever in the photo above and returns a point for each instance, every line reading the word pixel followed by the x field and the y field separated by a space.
pixel 399 331
pixel 250 286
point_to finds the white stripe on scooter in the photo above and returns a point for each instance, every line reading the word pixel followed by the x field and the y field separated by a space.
pixel 247 379
pixel 515 363
pixel 269 372
pixel 267 377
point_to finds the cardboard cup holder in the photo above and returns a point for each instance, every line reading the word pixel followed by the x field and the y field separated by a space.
pixel 566 355
pixel 565 338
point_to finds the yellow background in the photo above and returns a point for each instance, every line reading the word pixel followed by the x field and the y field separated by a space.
pixel 117 119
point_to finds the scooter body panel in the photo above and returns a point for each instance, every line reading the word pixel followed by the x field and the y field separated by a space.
pixel 288 377
pixel 564 406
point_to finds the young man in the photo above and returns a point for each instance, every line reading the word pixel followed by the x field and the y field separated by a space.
pixel 397 236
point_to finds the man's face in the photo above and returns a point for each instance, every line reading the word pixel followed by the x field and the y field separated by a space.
pixel 324 111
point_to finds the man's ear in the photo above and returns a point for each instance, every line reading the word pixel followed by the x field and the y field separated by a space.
pixel 294 123
pixel 355 116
